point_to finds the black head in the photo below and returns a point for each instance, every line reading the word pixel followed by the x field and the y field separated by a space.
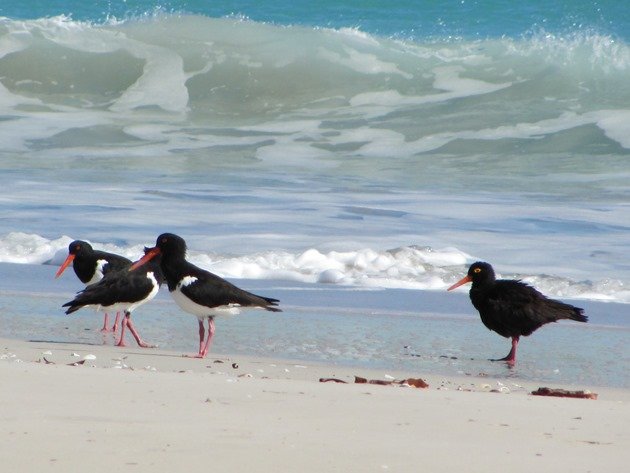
pixel 79 246
pixel 479 274
pixel 171 245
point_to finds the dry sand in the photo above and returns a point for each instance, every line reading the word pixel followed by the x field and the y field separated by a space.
pixel 151 410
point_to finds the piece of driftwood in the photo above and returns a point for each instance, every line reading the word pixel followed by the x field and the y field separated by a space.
pixel 564 393
pixel 414 382
pixel 332 380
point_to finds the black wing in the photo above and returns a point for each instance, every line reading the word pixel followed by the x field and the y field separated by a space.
pixel 513 308
pixel 116 288
pixel 212 291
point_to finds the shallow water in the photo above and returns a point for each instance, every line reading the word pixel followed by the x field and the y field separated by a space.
pixel 417 331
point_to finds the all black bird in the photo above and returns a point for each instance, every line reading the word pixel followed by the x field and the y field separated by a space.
pixel 91 265
pixel 200 292
pixel 121 290
pixel 512 308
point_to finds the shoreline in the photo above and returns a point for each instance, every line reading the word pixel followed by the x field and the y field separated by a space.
pixel 154 410
pixel 238 365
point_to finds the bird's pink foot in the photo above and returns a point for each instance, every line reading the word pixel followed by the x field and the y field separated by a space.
pixel 198 355
pixel 510 358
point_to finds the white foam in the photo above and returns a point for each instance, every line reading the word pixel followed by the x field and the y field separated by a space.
pixel 25 248
pixel 616 125
pixel 364 63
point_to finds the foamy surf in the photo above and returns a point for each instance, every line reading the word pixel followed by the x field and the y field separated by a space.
pixel 411 267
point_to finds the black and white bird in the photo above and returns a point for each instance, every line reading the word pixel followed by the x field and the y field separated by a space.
pixel 200 292
pixel 512 308
pixel 90 266
pixel 121 290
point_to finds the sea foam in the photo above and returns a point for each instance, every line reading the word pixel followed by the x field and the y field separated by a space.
pixel 420 268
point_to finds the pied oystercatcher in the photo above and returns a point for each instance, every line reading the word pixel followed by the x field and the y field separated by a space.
pixel 200 292
pixel 122 290
pixel 91 265
pixel 512 308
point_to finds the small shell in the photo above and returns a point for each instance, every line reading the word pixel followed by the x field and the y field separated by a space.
pixel 89 357
pixel 47 352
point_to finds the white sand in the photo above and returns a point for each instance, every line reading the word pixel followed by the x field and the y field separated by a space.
pixel 151 410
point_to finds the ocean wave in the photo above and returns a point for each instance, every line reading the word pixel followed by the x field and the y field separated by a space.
pixel 411 267
pixel 168 84
pixel 179 63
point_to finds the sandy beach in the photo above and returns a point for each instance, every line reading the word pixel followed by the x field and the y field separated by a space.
pixel 73 407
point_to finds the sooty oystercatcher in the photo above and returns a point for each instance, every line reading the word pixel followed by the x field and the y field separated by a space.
pixel 200 292
pixel 122 290
pixel 91 265
pixel 512 308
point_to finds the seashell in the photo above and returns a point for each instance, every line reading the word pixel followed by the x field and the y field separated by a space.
pixel 47 352
pixel 89 357
pixel 75 354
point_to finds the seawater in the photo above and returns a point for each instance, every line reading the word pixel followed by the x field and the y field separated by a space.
pixel 363 146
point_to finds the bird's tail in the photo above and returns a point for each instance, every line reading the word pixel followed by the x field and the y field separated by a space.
pixel 578 315
pixel 272 304
pixel 72 307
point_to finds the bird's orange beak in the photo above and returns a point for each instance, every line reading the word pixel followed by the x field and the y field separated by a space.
pixel 148 256
pixel 64 265
pixel 461 282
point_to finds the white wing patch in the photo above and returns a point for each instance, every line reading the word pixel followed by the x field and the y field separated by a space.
pixel 98 272
pixel 150 295
pixel 186 281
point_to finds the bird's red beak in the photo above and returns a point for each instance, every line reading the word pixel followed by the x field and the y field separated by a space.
pixel 148 256
pixel 64 265
pixel 461 282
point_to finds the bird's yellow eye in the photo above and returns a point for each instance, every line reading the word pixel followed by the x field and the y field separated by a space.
pixel 477 270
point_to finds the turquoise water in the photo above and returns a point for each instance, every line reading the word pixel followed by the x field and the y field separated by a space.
pixel 405 19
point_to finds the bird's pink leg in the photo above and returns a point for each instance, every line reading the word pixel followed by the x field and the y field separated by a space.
pixel 115 326
pixel 105 323
pixel 211 330
pixel 134 332
pixel 123 324
pixel 202 334
pixel 510 358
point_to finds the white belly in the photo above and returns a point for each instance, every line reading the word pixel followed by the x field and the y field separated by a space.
pixel 199 310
